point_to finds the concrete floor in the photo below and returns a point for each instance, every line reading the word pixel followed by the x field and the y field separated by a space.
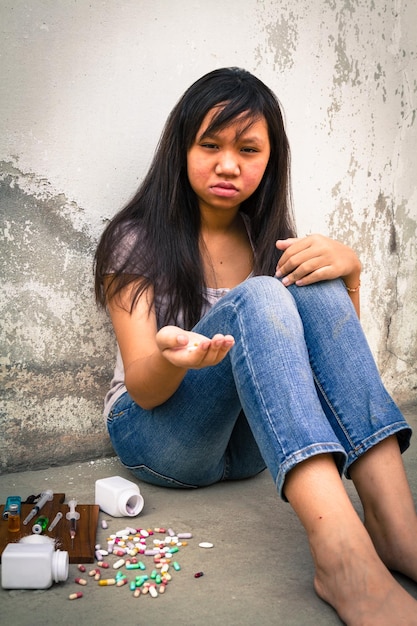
pixel 259 571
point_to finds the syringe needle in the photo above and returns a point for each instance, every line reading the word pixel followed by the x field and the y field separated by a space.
pixel 72 530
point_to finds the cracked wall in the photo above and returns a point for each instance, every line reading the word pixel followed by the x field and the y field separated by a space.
pixel 85 90
pixel 53 341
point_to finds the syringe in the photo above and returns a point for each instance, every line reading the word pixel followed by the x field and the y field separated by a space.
pixel 45 497
pixel 73 516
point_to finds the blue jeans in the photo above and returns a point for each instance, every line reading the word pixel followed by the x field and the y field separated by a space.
pixel 299 381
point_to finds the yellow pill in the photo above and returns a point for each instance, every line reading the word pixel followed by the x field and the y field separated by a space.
pixel 107 581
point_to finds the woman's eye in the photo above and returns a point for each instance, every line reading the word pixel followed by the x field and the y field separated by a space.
pixel 249 150
pixel 211 146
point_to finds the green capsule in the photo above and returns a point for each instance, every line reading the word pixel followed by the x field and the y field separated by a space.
pixel 141 565
pixel 133 566
pixel 119 575
pixel 176 566
pixel 173 549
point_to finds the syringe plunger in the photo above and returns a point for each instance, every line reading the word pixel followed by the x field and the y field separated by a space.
pixel 44 498
pixel 72 513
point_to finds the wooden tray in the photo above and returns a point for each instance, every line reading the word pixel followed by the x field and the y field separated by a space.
pixel 83 549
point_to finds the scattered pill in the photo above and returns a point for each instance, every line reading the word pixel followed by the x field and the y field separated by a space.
pixel 153 592
pixel 81 567
pixel 80 581
pixel 119 552
pixel 121 582
pixel 75 596
pixel 104 524
pixel 103 564
pixel 198 574
pixel 136 593
pixel 184 535
pixel 107 581
pixel 118 564
pixel 205 544
pixel 176 566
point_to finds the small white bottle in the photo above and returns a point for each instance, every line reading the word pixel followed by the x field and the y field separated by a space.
pixel 33 565
pixel 118 497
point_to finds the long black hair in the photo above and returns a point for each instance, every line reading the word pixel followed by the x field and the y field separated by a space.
pixel 154 240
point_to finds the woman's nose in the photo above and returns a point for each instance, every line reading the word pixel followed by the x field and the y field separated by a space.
pixel 227 165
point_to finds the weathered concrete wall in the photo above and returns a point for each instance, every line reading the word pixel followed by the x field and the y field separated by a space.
pixel 85 88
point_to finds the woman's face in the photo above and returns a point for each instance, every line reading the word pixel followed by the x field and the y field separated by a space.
pixel 225 167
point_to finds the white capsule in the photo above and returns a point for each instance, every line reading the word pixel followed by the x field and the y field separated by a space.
pixel 184 535
pixel 118 563
pixel 153 592
pixel 104 524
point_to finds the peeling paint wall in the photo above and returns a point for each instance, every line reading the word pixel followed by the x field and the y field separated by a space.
pixel 85 89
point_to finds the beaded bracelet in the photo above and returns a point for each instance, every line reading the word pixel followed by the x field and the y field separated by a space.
pixel 353 289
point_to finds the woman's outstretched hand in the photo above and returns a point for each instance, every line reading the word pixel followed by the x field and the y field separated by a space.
pixel 191 350
pixel 310 259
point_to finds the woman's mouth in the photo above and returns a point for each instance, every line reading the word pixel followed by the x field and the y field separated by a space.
pixel 227 190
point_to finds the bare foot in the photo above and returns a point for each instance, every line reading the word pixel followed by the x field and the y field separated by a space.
pixel 356 583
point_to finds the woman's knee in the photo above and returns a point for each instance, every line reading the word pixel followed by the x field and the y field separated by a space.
pixel 263 289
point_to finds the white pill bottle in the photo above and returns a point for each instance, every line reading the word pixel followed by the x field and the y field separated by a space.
pixel 33 564
pixel 118 497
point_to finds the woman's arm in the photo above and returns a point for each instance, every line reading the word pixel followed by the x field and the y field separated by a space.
pixel 155 363
pixel 314 258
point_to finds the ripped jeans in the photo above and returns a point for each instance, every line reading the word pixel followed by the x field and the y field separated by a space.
pixel 299 381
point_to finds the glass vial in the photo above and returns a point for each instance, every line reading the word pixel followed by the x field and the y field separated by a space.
pixel 13 519
pixel 40 525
